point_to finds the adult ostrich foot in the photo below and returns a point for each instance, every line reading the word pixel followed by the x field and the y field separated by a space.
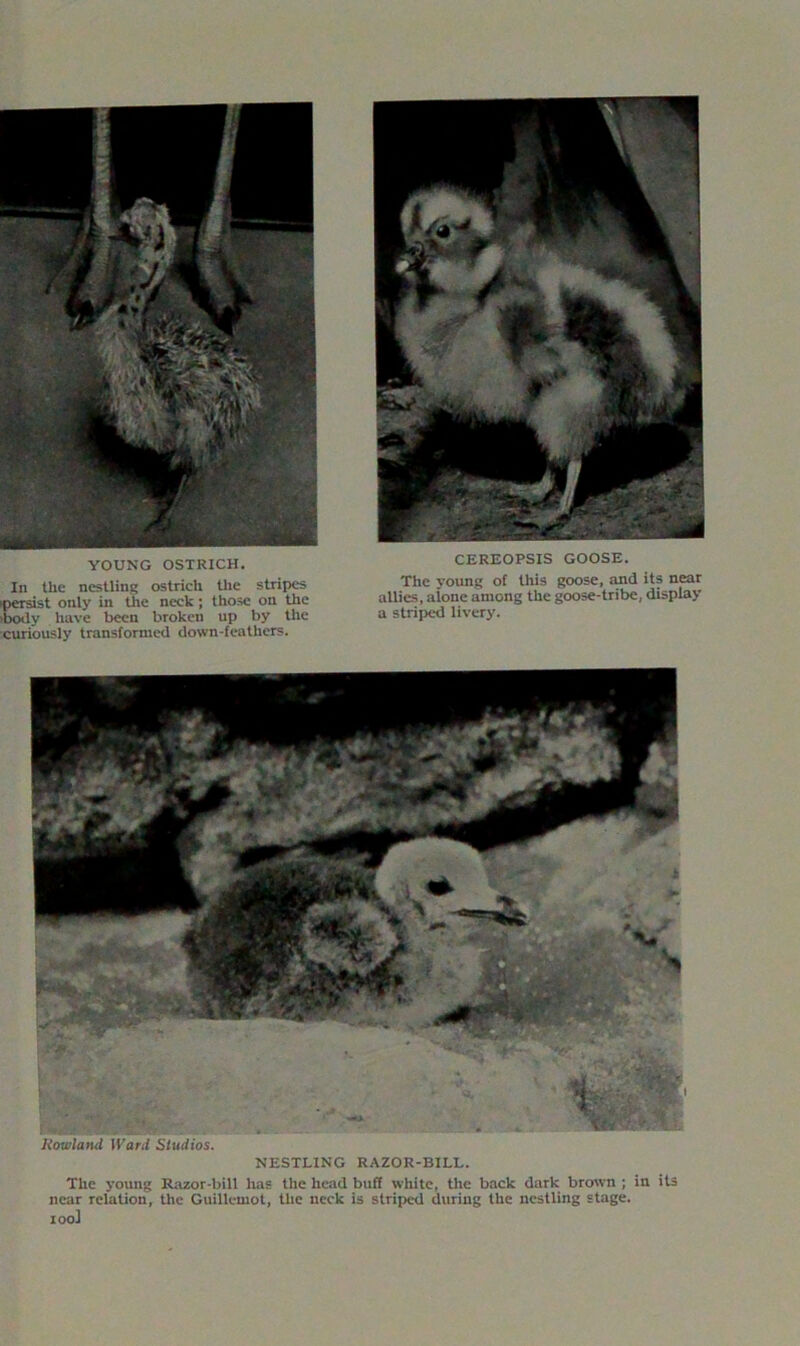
pixel 87 270
pixel 219 286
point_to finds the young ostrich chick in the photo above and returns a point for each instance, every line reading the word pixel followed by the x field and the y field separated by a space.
pixel 168 385
pixel 314 939
pixel 503 330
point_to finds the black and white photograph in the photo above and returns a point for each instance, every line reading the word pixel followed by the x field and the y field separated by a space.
pixel 538 318
pixel 370 902
pixel 158 327
pixel 396 925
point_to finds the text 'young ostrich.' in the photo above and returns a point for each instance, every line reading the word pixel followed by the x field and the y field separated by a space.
pixel 169 386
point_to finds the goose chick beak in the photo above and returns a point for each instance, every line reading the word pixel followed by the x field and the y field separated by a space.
pixel 410 260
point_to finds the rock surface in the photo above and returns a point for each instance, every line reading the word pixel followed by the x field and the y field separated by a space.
pixel 592 979
pixel 480 490
pixel 595 973
pixel 658 778
pixel 232 767
pixel 102 795
pixel 412 780
pixel 269 1076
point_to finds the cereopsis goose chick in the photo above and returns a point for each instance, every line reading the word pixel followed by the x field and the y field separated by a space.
pixel 501 329
pixel 168 385
pixel 317 939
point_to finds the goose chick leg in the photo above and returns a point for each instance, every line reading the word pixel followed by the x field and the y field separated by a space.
pixel 542 488
pixel 220 288
pixel 528 494
pixel 165 513
pixel 533 495
pixel 88 262
pixel 568 496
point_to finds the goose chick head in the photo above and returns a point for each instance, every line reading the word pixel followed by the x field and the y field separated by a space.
pixel 450 243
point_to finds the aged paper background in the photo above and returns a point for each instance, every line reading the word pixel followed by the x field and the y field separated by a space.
pixel 712 1264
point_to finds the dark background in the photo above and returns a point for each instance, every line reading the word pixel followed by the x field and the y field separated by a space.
pixel 469 142
pixel 166 153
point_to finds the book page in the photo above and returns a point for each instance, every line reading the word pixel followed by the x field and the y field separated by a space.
pixel 397 523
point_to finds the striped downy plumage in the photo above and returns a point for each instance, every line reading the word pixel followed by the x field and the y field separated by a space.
pixel 169 386
pixel 501 329
pixel 310 939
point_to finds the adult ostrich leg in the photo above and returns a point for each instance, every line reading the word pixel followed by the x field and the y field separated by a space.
pixel 88 262
pixel 219 288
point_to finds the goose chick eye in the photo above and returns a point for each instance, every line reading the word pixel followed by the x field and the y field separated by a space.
pixel 438 887
pixel 443 231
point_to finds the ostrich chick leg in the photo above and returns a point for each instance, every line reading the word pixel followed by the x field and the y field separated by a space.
pixel 220 288
pixel 88 263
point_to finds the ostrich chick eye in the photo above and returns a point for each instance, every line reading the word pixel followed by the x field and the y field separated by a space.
pixel 438 887
pixel 443 231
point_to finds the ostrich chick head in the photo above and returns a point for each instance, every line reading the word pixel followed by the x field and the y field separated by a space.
pixel 148 228
pixel 450 242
